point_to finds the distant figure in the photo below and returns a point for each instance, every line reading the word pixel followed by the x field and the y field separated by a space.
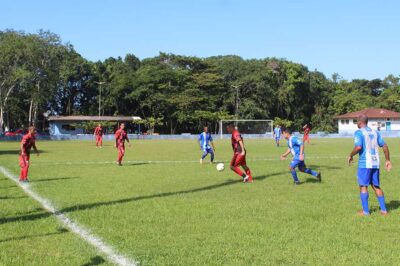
pixel 205 139
pixel 296 147
pixel 239 155
pixel 277 134
pixel 366 143
pixel 98 134
pixel 306 136
pixel 28 142
pixel 120 137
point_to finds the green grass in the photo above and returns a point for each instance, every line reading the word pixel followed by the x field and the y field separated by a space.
pixel 187 214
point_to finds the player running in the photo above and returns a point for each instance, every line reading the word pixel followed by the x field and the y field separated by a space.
pixel 28 142
pixel 120 137
pixel 98 134
pixel 277 134
pixel 239 155
pixel 205 139
pixel 366 144
pixel 296 147
pixel 306 136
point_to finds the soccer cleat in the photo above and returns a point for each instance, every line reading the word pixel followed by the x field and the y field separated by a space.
pixel 201 161
pixel 362 213
pixel 319 178
pixel 384 213
pixel 245 179
pixel 297 183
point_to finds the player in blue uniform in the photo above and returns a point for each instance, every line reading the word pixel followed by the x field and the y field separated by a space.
pixel 296 148
pixel 206 145
pixel 277 134
pixel 366 144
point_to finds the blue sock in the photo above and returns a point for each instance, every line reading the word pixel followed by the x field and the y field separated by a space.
pixel 310 172
pixel 364 202
pixel 294 175
pixel 382 204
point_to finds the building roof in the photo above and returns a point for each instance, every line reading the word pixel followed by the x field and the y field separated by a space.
pixel 94 118
pixel 371 113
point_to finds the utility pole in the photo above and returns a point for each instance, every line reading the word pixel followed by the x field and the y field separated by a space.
pixel 100 83
pixel 237 100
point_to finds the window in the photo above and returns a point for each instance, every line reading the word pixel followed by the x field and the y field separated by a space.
pixel 342 122
pixel 68 127
pixel 347 122
pixel 354 121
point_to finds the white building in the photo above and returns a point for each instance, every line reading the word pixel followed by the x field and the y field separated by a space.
pixel 379 119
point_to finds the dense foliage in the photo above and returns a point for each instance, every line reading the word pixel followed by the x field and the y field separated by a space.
pixel 41 74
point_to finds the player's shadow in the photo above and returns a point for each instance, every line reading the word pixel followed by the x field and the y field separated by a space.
pixel 52 179
pixel 59 231
pixel 326 167
pixel 393 205
pixel 95 261
pixel 136 164
pixel 80 207
pixel 7 187
pixel 7 197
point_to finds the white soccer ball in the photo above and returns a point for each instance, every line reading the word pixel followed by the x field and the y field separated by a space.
pixel 220 167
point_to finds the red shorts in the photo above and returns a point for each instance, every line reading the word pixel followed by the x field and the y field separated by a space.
pixel 238 160
pixel 99 137
pixel 24 161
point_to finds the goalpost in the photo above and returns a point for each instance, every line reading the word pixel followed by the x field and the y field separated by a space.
pixel 263 128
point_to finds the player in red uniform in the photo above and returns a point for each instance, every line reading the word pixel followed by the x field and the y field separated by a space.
pixel 306 136
pixel 120 137
pixel 98 133
pixel 28 142
pixel 239 155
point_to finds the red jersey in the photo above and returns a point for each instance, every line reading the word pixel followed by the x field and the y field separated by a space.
pixel 307 131
pixel 98 131
pixel 236 137
pixel 28 141
pixel 120 137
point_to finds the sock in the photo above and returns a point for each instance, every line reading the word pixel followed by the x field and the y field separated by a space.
pixel 310 172
pixel 204 155
pixel 238 171
pixel 364 202
pixel 21 176
pixel 212 157
pixel 294 175
pixel 382 204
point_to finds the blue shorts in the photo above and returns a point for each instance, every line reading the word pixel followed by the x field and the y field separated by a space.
pixel 277 138
pixel 368 177
pixel 297 163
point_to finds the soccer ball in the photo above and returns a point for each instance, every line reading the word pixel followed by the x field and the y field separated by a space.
pixel 220 167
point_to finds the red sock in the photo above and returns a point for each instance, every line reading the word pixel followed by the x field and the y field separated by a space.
pixel 238 171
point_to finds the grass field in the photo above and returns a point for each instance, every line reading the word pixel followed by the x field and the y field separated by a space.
pixel 163 208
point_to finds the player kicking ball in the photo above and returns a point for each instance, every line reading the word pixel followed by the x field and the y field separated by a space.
pixel 28 142
pixel 205 139
pixel 296 148
pixel 120 137
pixel 239 155
pixel 366 143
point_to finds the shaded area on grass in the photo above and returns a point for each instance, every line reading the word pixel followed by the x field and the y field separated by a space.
pixel 80 207
pixel 52 179
pixel 95 261
pixel 326 167
pixel 59 231
pixel 393 205
pixel 7 197
pixel 16 151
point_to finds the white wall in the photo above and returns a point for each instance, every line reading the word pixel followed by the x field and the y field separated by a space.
pixel 350 125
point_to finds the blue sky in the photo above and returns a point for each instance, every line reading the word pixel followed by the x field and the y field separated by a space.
pixel 357 39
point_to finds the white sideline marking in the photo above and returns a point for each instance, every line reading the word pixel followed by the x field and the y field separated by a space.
pixel 93 240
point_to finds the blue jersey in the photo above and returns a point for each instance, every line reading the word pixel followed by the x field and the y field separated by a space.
pixel 294 144
pixel 277 132
pixel 369 140
pixel 205 139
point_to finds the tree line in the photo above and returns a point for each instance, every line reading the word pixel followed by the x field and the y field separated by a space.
pixel 40 75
